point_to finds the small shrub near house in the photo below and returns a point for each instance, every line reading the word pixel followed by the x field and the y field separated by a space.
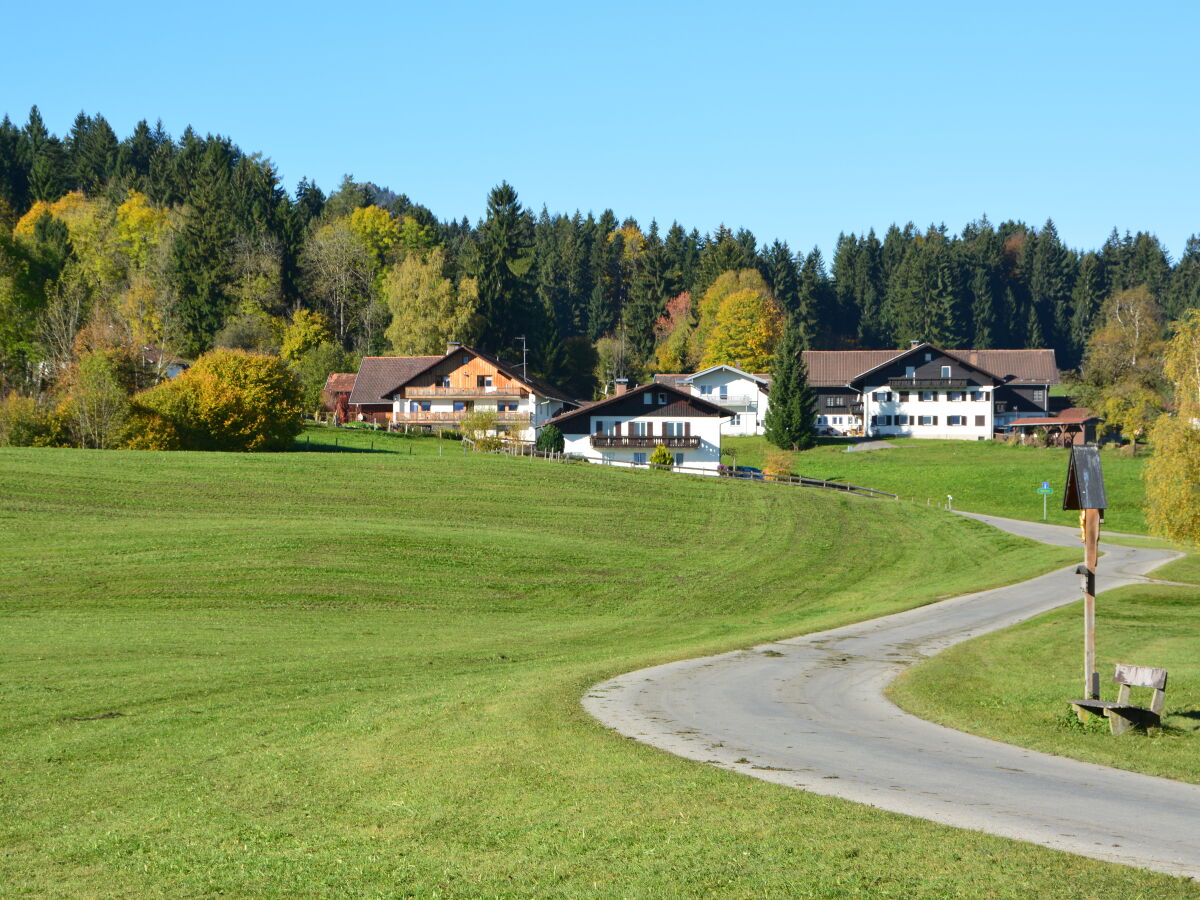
pixel 229 400
pixel 662 457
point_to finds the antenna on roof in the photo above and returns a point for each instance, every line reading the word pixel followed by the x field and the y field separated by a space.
pixel 524 353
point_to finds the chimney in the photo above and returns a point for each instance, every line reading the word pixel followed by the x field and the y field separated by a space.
pixel 620 386
pixel 913 345
pixel 451 346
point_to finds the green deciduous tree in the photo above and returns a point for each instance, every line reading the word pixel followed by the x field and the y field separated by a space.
pixel 427 309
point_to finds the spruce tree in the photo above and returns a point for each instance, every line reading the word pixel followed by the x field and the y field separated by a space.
pixel 505 254
pixel 791 411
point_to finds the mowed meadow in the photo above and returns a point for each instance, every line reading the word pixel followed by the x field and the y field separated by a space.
pixel 358 674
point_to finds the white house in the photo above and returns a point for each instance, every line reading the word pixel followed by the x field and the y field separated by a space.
pixel 928 392
pixel 626 428
pixel 742 393
pixel 438 391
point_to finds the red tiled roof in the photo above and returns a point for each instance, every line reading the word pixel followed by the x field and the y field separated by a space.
pixel 340 382
pixel 1076 415
pixel 379 375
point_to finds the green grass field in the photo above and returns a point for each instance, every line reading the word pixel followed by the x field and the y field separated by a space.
pixel 358 674
pixel 1014 685
pixel 982 476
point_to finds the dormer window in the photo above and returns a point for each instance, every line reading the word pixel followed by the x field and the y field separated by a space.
pixel 945 371
pixel 662 399
pixel 648 398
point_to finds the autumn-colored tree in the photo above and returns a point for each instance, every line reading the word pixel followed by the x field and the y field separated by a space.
pixel 229 400
pixel 676 350
pixel 377 231
pixel 99 400
pixel 747 327
pixel 710 304
pixel 427 309
pixel 1122 375
pixel 308 329
pixel 1173 473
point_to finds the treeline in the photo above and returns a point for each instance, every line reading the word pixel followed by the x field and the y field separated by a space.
pixel 177 246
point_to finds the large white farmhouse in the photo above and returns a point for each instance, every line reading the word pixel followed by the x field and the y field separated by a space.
pixel 626 428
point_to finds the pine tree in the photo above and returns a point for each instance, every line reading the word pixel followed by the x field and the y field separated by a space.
pixel 779 270
pixel 1184 291
pixel 1086 298
pixel 791 411
pixel 505 253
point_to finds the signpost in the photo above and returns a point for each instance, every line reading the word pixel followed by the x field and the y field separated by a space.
pixel 1085 492
pixel 1045 490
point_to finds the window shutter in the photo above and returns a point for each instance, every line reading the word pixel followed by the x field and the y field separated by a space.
pixel 617 429
pixel 649 429
pixel 687 429
pixel 935 420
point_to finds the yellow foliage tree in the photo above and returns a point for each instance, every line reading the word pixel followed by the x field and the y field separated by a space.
pixel 308 329
pixel 229 400
pixel 747 328
pixel 1173 473
pixel 727 283
pixel 377 230
pixel 427 310
pixel 142 229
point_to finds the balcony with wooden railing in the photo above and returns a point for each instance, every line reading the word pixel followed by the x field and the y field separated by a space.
pixel 452 418
pixel 925 384
pixel 447 393
pixel 639 442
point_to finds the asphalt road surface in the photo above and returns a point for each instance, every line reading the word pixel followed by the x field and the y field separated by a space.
pixel 810 713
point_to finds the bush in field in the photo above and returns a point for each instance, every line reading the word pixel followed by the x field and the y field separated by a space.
pixel 21 422
pixel 662 457
pixel 229 400
pixel 779 463
pixel 550 440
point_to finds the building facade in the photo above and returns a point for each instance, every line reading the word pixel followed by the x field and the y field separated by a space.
pixel 928 392
pixel 625 429
pixel 439 391
pixel 744 394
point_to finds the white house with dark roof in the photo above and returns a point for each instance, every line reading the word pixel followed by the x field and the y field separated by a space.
pixel 742 393
pixel 626 428
pixel 438 391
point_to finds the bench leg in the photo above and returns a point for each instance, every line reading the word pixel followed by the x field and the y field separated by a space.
pixel 1084 713
pixel 1117 723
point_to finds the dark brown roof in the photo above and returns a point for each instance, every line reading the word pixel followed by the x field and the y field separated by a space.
pixel 513 371
pixel 699 403
pixel 340 382
pixel 828 368
pixel 378 376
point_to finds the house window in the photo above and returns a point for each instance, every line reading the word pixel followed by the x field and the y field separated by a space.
pixel 706 390
pixel 877 396
pixel 904 396
pixel 639 459
pixel 902 420
pixel 835 401
pixel 445 381
pixel 1039 396
pixel 662 399
pixel 928 357
pixel 460 406
pixel 978 395
pixel 412 406
pixel 956 420
pixel 483 381
pixel 599 427
pixel 679 459
pixel 820 420
pixel 648 398
pixel 979 421
pixel 724 392
pixel 945 371
pixel 737 419
pixel 956 396
pixel 637 429
pixel 926 420
pixel 911 371
pixel 466 359
pixel 874 420
pixel 928 396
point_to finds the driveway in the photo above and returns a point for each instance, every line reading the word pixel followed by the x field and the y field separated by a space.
pixel 810 713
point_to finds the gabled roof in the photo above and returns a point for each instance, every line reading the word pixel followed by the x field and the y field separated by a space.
pixel 923 348
pixel 378 376
pixel 599 405
pixel 837 368
pixel 340 382
pixel 539 385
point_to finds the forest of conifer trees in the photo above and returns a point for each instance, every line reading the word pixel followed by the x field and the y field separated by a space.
pixel 184 244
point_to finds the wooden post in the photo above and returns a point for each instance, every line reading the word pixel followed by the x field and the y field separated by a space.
pixel 1091 540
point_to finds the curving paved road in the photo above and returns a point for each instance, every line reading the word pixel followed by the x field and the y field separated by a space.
pixel 809 712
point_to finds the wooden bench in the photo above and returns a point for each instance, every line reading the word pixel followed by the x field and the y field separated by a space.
pixel 1121 714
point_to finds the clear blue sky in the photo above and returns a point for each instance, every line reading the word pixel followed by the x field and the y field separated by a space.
pixel 794 121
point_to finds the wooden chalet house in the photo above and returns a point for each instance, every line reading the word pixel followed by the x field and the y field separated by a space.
pixel 626 428
pixel 438 391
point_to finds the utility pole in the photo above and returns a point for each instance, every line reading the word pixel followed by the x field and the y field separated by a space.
pixel 524 357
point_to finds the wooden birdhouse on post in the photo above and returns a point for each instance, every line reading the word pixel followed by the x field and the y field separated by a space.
pixel 1085 492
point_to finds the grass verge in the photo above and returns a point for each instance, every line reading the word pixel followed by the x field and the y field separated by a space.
pixel 328 674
